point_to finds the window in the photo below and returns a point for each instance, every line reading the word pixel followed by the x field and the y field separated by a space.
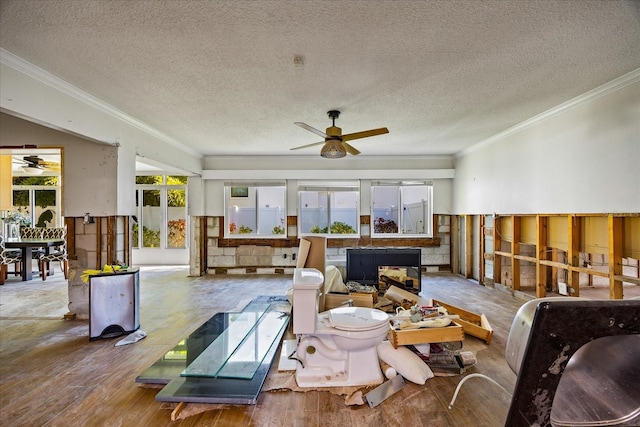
pixel 329 208
pixel 256 209
pixel 37 198
pixel 402 209
pixel 162 211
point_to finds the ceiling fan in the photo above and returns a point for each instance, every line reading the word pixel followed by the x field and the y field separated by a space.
pixel 335 145
pixel 34 165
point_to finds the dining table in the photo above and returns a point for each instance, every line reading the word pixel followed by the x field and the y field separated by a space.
pixel 26 247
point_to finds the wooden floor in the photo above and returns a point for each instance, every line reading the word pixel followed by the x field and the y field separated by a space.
pixel 50 374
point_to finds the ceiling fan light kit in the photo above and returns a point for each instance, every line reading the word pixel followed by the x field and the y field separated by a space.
pixel 335 145
pixel 32 170
pixel 333 149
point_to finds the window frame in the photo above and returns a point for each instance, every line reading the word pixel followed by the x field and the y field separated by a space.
pixel 253 191
pixel 331 188
pixel 31 190
pixel 400 185
pixel 163 188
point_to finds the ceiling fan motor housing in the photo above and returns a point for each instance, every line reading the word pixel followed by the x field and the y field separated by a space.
pixel 334 132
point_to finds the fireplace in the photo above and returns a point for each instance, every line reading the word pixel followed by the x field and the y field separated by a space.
pixel 368 265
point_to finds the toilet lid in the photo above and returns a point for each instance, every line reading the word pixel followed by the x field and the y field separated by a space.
pixel 356 318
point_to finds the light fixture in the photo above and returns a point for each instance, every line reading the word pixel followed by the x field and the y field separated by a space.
pixel 32 170
pixel 333 149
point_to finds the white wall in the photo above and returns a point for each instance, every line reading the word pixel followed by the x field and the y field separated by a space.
pixel 585 159
pixel 28 91
pixel 126 176
pixel 90 175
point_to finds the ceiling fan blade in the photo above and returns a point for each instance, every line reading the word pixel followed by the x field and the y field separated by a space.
pixel 311 129
pixel 364 134
pixel 350 149
pixel 307 146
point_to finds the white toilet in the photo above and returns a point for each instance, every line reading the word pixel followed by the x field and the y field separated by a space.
pixel 336 347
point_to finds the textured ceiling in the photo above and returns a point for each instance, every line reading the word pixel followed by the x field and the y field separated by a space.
pixel 219 76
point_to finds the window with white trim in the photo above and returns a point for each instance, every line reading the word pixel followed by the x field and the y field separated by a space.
pixel 161 205
pixel 329 208
pixel 255 209
pixel 401 209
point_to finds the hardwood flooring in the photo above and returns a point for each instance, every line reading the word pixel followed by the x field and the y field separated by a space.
pixel 52 375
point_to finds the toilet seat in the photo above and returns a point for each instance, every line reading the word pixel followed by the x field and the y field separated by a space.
pixel 357 318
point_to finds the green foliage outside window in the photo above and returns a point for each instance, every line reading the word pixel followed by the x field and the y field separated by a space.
pixel 150 238
pixel 177 233
pixel 35 180
pixel 134 235
pixel 336 228
pixel 149 179
pixel 174 197
pixel 244 230
pixel 45 198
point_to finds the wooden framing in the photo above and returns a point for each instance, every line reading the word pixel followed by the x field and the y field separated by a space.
pixel 515 252
pixel 497 244
pixel 455 238
pixel 614 225
pixel 574 225
pixel 112 230
pixel 98 221
pixel 70 223
pixel 468 246
pixel 541 247
pixel 580 238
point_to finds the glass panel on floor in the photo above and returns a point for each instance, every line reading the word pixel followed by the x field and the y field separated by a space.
pixel 213 358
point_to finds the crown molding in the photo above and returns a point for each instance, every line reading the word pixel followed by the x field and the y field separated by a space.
pixel 605 89
pixel 322 174
pixel 37 73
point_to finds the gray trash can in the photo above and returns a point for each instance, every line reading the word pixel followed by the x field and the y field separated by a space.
pixel 114 304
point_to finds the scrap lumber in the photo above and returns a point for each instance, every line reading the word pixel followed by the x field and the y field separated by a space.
pixel 176 412
pixel 473 324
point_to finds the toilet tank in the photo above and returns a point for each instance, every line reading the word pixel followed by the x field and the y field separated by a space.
pixel 306 285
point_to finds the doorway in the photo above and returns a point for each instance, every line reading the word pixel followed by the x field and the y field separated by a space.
pixel 160 230
pixel 35 185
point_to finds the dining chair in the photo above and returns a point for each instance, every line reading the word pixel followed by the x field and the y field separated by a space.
pixel 59 253
pixel 7 257
pixel 33 233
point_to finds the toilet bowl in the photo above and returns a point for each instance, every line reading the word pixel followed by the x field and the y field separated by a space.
pixel 336 347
